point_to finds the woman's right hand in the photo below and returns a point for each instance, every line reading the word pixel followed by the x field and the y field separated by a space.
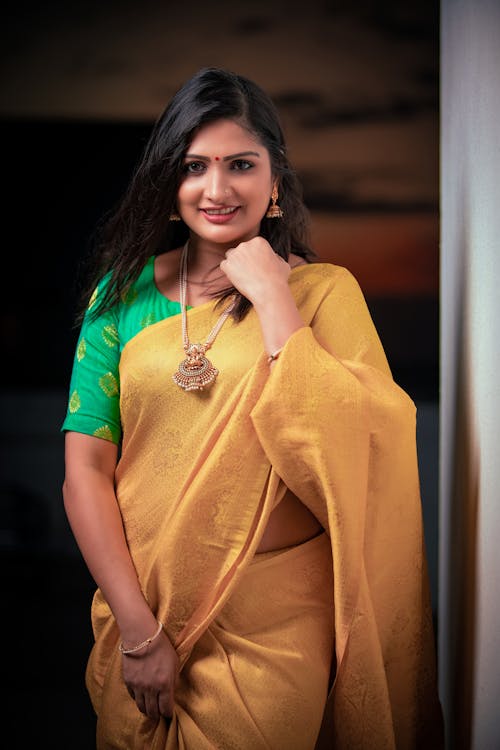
pixel 151 676
pixel 94 515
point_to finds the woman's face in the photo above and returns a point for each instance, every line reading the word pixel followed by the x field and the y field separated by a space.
pixel 227 183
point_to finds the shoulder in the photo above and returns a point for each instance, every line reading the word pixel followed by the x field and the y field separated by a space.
pixel 335 307
pixel 326 277
pixel 327 289
pixel 296 260
pixel 168 262
pixel 138 287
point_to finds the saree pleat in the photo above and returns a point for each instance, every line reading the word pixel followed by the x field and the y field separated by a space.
pixel 199 475
pixel 268 651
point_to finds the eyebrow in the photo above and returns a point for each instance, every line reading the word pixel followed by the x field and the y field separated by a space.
pixel 224 158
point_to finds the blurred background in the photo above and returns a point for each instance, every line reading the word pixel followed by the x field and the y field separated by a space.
pixel 357 87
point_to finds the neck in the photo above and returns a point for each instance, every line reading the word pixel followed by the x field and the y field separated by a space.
pixel 203 262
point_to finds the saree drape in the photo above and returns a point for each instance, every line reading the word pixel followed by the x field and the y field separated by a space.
pixel 199 474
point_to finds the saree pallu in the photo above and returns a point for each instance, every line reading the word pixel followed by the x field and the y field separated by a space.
pixel 199 475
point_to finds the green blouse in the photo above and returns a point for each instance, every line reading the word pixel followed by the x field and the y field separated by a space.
pixel 94 400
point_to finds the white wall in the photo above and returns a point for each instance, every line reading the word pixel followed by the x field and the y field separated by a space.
pixel 469 574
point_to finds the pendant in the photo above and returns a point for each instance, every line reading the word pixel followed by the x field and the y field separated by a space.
pixel 196 372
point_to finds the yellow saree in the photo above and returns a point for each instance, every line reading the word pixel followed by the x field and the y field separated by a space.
pixel 198 476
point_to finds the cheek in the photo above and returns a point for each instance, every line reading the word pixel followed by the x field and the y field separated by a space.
pixel 186 193
pixel 263 203
pixel 263 195
pixel 261 190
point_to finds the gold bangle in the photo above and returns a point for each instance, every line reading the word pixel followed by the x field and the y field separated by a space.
pixel 131 650
pixel 274 355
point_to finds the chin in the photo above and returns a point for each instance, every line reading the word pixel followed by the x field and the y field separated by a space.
pixel 225 235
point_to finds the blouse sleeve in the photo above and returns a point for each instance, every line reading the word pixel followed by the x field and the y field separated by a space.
pixel 94 394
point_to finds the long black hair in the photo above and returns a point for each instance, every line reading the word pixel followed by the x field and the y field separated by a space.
pixel 140 227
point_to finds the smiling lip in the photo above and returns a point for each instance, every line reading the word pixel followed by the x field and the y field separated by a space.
pixel 220 215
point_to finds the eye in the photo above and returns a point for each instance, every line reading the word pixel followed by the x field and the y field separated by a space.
pixel 241 165
pixel 193 167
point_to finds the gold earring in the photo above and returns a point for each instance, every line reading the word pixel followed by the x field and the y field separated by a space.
pixel 174 216
pixel 274 211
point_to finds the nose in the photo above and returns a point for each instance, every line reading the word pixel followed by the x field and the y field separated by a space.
pixel 217 184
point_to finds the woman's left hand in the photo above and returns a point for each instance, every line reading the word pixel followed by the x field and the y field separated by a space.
pixel 255 270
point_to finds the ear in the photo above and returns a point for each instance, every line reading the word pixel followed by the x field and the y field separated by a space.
pixel 275 187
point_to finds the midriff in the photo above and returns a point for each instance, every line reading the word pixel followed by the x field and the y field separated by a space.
pixel 290 523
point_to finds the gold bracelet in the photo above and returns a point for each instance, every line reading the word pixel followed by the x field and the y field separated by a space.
pixel 126 651
pixel 274 355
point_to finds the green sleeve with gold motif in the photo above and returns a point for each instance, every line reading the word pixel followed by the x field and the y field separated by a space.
pixel 94 398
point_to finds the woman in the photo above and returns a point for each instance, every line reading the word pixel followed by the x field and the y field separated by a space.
pixel 234 444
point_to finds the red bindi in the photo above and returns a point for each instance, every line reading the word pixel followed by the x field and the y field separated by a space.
pixel 217 158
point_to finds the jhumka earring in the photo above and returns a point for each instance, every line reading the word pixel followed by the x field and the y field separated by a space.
pixel 274 211
pixel 174 216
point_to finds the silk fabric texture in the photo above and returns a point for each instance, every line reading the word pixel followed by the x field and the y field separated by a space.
pixel 199 474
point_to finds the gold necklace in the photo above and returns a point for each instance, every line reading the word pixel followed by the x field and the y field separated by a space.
pixel 196 372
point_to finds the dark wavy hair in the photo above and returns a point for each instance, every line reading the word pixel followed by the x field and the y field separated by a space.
pixel 139 226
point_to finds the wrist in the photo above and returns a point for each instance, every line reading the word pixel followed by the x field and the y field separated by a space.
pixel 273 356
pixel 278 296
pixel 278 322
pixel 136 624
pixel 129 649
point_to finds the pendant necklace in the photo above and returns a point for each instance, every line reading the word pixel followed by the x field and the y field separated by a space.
pixel 196 372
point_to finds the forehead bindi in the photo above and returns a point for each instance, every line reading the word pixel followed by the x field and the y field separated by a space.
pixel 222 139
pixel 229 157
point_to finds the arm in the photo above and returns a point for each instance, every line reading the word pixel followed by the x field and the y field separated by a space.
pixel 341 434
pixel 262 276
pixel 94 516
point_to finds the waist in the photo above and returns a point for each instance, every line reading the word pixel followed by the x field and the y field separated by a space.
pixel 289 524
